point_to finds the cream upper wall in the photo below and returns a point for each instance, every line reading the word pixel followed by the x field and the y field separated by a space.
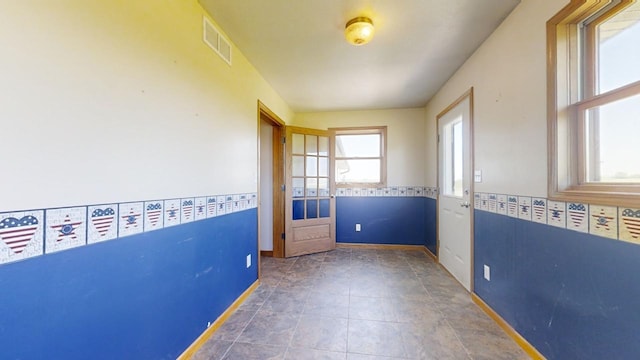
pixel 508 73
pixel 405 137
pixel 108 101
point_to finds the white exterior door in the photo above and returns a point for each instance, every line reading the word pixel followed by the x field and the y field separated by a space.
pixel 454 181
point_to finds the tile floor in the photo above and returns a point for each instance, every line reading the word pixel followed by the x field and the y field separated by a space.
pixel 358 304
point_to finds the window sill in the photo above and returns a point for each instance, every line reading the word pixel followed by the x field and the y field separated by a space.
pixel 612 198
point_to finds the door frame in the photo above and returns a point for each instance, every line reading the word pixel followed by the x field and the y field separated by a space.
pixel 264 113
pixel 461 98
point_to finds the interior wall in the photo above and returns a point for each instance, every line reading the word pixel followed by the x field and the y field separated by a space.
pixel 266 186
pixel 405 137
pixel 559 272
pixel 111 101
pixel 117 103
pixel 508 74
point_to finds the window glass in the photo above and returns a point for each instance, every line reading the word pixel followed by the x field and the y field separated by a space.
pixel 612 141
pixel 358 145
pixel 358 171
pixel 617 59
pixel 359 156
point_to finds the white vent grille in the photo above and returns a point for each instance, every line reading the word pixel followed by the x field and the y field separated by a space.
pixel 216 41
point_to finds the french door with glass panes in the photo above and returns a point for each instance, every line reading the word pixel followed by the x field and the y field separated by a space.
pixel 310 206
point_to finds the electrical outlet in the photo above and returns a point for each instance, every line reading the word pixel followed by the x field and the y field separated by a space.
pixel 358 227
pixel 248 261
pixel 487 273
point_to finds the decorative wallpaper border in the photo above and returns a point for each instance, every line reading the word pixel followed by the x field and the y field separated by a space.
pixel 618 223
pixel 393 191
pixel 25 234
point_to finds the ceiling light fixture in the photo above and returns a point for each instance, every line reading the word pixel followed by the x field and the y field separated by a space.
pixel 359 31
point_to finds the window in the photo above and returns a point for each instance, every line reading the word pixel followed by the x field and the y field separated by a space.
pixel 360 156
pixel 594 102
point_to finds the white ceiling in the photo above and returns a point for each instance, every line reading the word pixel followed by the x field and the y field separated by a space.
pixel 298 46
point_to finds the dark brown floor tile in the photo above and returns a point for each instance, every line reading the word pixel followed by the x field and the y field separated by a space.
pixel 234 325
pixel 269 329
pixel 375 338
pixel 371 308
pixel 312 354
pixel 416 311
pixel 321 333
pixel 327 304
pixel 487 345
pixel 243 351
pixel 286 301
pixel 212 350
pixel 351 356
pixel 435 340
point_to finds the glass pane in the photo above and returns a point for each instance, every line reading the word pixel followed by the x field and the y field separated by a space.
pixel 298 209
pixel 358 171
pixel 297 144
pixel 298 166
pixel 312 166
pixel 323 187
pixel 367 145
pixel 452 161
pixel 618 50
pixel 312 145
pixel 324 208
pixel 312 187
pixel 323 146
pixel 323 166
pixel 298 187
pixel 457 158
pixel 312 209
pixel 612 142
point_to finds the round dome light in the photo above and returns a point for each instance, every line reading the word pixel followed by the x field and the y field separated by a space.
pixel 359 31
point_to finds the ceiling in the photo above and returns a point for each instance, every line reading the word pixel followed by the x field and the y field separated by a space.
pixel 298 46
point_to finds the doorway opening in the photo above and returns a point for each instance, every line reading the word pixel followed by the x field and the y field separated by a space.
pixel 270 183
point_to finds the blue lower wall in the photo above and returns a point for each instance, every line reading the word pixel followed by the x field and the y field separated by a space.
pixel 147 296
pixel 571 295
pixel 386 220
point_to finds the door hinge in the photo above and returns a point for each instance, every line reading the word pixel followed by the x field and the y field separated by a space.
pixel 283 187
pixel 282 236
pixel 438 136
pixel 284 140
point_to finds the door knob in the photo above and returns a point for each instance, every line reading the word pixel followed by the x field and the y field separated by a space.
pixel 465 204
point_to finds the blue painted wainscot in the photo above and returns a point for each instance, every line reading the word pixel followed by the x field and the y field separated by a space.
pixel 145 296
pixel 572 295
pixel 387 220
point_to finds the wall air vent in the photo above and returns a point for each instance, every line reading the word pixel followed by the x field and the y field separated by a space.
pixel 215 40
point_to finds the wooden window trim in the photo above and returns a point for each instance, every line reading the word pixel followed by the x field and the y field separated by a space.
pixel 568 98
pixel 382 131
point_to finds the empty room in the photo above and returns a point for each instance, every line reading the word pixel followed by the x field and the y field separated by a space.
pixel 354 180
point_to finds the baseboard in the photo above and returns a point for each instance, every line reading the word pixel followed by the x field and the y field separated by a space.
pixel 379 246
pixel 430 254
pixel 193 348
pixel 268 253
pixel 524 344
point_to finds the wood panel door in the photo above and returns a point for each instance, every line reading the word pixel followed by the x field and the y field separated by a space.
pixel 310 216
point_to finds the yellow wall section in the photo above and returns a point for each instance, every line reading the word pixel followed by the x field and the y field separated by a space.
pixel 508 73
pixel 121 100
pixel 405 137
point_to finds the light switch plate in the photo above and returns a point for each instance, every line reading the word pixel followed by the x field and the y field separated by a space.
pixel 477 176
pixel 487 273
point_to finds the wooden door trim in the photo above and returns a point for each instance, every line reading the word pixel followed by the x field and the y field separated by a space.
pixel 264 113
pixel 461 98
